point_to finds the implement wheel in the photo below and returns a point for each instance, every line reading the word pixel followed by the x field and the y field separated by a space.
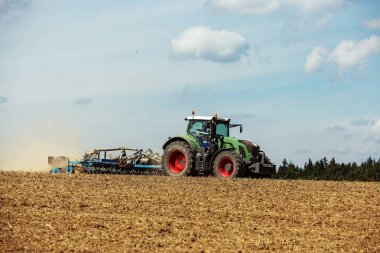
pixel 228 164
pixel 177 159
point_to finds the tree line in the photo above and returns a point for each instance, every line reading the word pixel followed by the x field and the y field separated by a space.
pixel 323 169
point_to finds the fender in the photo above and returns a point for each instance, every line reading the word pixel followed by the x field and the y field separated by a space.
pixel 179 138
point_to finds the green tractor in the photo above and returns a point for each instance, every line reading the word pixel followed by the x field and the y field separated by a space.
pixel 208 149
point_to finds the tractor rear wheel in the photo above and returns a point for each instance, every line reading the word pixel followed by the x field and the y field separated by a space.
pixel 228 164
pixel 177 159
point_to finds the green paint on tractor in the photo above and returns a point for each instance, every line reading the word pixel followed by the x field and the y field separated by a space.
pixel 208 149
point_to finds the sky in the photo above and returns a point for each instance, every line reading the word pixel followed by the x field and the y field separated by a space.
pixel 303 77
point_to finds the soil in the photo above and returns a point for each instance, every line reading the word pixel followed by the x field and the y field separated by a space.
pixel 107 213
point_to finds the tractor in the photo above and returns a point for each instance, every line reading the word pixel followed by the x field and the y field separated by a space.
pixel 207 149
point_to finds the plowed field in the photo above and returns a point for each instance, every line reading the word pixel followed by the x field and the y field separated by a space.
pixel 103 213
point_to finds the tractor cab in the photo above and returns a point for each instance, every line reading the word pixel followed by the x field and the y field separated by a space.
pixel 206 128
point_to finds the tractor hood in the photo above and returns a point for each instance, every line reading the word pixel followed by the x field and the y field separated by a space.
pixel 252 148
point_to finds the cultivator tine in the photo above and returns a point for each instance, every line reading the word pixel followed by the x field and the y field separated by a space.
pixel 121 171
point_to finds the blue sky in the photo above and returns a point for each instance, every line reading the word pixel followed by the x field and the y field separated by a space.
pixel 302 76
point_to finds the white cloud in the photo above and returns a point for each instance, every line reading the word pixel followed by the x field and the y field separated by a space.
pixel 83 101
pixel 3 99
pixel 323 20
pixel 308 7
pixel 375 131
pixel 305 7
pixel 340 151
pixel 347 54
pixel 213 45
pixel 363 122
pixel 241 116
pixel 336 128
pixel 313 13
pixel 20 5
pixel 303 151
pixel 315 59
pixel 373 24
pixel 246 6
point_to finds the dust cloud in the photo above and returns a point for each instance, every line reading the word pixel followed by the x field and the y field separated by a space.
pixel 29 150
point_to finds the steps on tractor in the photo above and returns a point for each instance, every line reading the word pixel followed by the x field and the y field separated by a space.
pixel 201 162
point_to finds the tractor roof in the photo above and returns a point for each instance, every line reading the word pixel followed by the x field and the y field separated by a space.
pixel 208 118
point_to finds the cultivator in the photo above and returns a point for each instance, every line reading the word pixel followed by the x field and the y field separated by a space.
pixel 102 161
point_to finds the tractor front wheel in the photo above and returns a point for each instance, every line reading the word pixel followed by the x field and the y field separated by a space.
pixel 177 159
pixel 228 164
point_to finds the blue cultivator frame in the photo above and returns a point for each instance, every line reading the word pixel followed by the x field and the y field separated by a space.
pixel 96 162
pixel 68 168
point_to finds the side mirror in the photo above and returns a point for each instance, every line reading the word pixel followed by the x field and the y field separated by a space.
pixel 241 129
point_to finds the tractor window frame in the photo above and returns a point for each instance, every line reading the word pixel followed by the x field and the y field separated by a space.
pixel 225 131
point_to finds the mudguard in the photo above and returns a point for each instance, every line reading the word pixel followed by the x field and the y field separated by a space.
pixel 180 138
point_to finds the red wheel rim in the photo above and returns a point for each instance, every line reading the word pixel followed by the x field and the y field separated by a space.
pixel 226 167
pixel 177 162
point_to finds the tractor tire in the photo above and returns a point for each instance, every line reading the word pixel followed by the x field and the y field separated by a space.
pixel 177 160
pixel 228 164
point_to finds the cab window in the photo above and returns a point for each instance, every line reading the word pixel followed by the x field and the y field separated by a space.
pixel 198 127
pixel 222 129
